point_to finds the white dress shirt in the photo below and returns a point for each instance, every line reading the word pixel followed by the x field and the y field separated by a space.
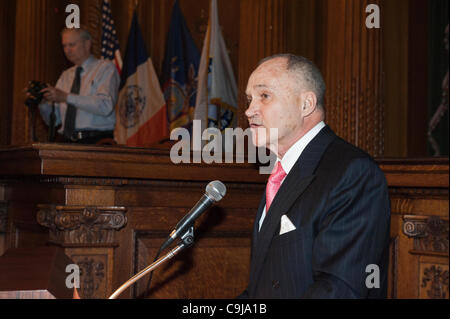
pixel 97 98
pixel 292 155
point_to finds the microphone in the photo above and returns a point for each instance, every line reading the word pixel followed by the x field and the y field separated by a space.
pixel 215 191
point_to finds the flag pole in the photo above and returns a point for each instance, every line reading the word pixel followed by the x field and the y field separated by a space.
pixel 208 34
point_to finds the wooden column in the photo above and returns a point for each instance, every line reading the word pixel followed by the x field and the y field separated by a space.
pixel 395 22
pixel 352 68
pixel 262 33
pixel 37 56
pixel 7 17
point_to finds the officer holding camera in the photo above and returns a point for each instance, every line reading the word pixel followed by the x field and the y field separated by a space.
pixel 85 95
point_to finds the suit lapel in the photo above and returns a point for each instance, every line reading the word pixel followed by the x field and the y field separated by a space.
pixel 296 182
pixel 262 203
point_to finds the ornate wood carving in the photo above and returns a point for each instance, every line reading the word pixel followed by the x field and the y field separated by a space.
pixel 434 279
pixel 82 225
pixel 93 269
pixel 430 233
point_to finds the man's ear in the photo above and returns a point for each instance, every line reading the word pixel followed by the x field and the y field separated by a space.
pixel 88 44
pixel 309 103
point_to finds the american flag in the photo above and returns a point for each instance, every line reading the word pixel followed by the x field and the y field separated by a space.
pixel 110 43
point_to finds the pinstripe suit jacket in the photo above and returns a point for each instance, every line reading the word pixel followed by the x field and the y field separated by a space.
pixel 337 198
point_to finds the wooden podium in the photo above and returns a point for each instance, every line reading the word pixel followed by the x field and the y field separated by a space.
pixel 34 273
pixel 110 209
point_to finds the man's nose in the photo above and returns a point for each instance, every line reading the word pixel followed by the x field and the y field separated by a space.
pixel 251 110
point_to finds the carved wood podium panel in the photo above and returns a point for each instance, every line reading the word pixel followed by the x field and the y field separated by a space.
pixel 111 208
pixel 419 227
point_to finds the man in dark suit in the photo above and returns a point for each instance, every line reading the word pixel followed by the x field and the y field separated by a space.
pixel 322 227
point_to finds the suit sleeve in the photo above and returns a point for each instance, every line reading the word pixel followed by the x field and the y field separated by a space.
pixel 353 234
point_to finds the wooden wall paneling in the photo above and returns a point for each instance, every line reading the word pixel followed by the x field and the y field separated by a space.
pixel 154 18
pixel 122 11
pixel 334 93
pixel 7 27
pixel 222 234
pixel 21 199
pixel 262 32
pixel 124 266
pixel 37 56
pixel 417 115
pixel 352 70
pixel 227 224
pixel 394 20
pixel 302 28
pixel 3 219
pixel 199 271
pixel 419 228
pixel 91 19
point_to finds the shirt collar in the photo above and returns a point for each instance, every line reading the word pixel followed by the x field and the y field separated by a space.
pixel 294 152
pixel 86 64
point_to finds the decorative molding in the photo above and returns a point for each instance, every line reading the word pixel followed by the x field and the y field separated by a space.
pixel 430 233
pixel 393 266
pixel 435 278
pixel 82 225
pixel 93 270
pixel 141 182
pixel 419 192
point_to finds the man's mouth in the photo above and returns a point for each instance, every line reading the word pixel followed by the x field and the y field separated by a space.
pixel 255 125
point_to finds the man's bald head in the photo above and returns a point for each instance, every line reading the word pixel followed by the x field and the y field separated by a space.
pixel 308 75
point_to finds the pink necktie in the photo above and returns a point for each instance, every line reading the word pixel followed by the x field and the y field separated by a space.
pixel 273 184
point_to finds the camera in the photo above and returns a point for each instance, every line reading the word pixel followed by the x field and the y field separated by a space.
pixel 34 88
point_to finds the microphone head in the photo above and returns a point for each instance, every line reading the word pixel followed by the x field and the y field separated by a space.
pixel 216 190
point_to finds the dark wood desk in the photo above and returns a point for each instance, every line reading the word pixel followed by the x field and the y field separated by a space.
pixel 110 208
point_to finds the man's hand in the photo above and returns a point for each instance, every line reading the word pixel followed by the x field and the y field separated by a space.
pixel 26 93
pixel 53 94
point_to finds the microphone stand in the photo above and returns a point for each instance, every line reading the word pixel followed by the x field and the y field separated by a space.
pixel 186 241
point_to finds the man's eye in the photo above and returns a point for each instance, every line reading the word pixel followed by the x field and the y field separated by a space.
pixel 264 95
